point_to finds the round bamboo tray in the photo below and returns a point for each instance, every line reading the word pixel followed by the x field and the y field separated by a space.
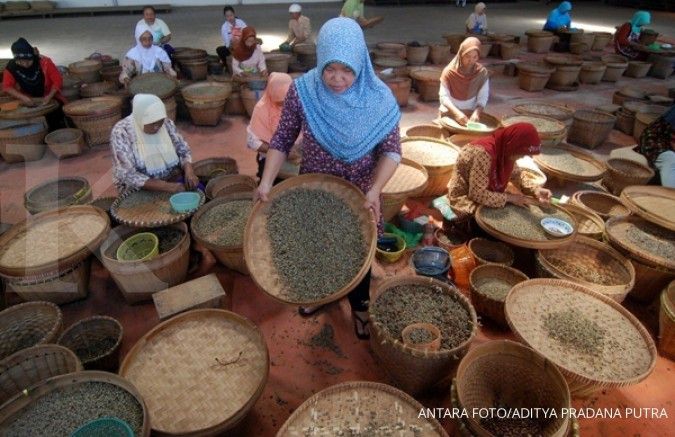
pixel 33 365
pixel 490 121
pixel 154 212
pixel 461 140
pixel 159 84
pixel 652 203
pixel 590 263
pixel 23 112
pixel 603 204
pixel 623 231
pixel 369 406
pixel 138 280
pixel 533 77
pixel 231 257
pixel 65 143
pixel 13 408
pixel 437 157
pixel 19 143
pixel 258 248
pixel 414 370
pixel 544 241
pixel 491 252
pixel 519 377
pixel 626 355
pixel 57 193
pixel 56 262
pixel 578 165
pixel 590 128
pixel 60 287
pixel 667 322
pixel 551 131
pixel 86 336
pixel 559 112
pixel 409 179
pixel 96 89
pixel 222 353
pixel 488 305
pixel 427 130
pixel 209 168
pixel 624 172
pixel 28 324
pixel 589 223
pixel 228 184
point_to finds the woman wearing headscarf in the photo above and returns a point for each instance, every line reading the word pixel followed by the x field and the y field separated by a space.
pixel 657 144
pixel 29 76
pixel 465 85
pixel 349 122
pixel 627 36
pixel 247 55
pixel 354 9
pixel 266 115
pixel 477 21
pixel 559 18
pixel 148 152
pixel 486 165
pixel 145 58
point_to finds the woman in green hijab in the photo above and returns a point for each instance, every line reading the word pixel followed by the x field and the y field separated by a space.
pixel 627 36
pixel 354 9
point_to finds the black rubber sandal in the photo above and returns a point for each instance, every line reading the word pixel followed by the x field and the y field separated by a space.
pixel 361 325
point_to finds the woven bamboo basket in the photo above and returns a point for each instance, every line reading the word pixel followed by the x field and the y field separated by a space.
pixel 590 128
pixel 540 41
pixel 454 40
pixel 97 89
pixel 566 72
pixel 96 341
pixel 14 408
pixel 64 286
pixel 65 143
pixel 589 223
pixel 533 77
pixel 553 110
pixel 624 172
pixel 509 50
pixel 88 70
pixel 28 324
pixel 612 274
pixel 207 91
pixel 195 69
pixel 258 248
pixel 586 373
pixel 392 48
pixel 485 49
pixel 648 281
pixel 96 117
pixel 604 205
pixel 150 209
pixel 616 65
pixel 662 66
pixel 516 375
pixel 625 121
pixel 659 99
pixel 33 365
pixel 488 305
pixel 592 72
pixel 432 71
pixel 229 184
pixel 171 107
pixel 57 193
pixel 427 130
pixel 653 203
pixel 409 179
pixel 19 143
pixel 206 113
pixel 461 140
pixel 112 74
pixel 491 252
pixel 437 157
pixel 602 39
pixel 667 322
pixel 249 98
pixel 412 370
pixel 578 166
pixel 400 88
pixel 637 69
pixel 231 257
pixel 138 280
pixel 277 62
pixel 428 83
pixel 209 168
pixel 579 48
pixel 642 120
pixel 362 405
pixel 200 346
pixel 551 131
pixel 609 108
pixel 417 55
pixel 440 54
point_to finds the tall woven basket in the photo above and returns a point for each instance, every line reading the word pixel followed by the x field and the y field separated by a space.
pixel 667 322
pixel 590 128
pixel 624 172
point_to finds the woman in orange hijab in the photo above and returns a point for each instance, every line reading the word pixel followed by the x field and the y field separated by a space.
pixel 247 55
pixel 464 84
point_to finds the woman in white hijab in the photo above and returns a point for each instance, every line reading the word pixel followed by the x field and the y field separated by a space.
pixel 477 22
pixel 148 152
pixel 145 57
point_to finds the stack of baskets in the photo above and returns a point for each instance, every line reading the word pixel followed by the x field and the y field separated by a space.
pixel 590 128
pixel 23 140
pixel 88 70
pixel 306 53
pixel 628 93
pixel 206 101
pixel 566 72
pixel 193 63
pixel 277 62
pixel 112 74
pixel 539 41
pixel 592 72
pixel 533 77
pixel 616 65
pixel 96 117
pixel 391 49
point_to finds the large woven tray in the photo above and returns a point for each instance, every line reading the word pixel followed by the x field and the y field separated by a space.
pixel 559 112
pixel 159 84
pixel 594 170
pixel 93 106
pixel 23 112
pixel 432 153
pixel 409 179
pixel 546 126
pixel 654 204
pixel 258 249
pixel 617 231
pixel 199 372
pixel 55 254
pixel 547 242
pixel 153 214
pixel 360 405
pixel 490 121
pixel 626 356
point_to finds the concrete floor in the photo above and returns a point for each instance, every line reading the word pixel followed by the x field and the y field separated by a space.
pixel 298 371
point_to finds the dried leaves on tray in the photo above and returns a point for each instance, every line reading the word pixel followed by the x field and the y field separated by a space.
pixel 429 153
pixel 523 223
pixel 653 239
pixel 224 224
pixel 143 204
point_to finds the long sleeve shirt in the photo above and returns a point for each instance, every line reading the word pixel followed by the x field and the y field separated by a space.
pixel 131 68
pixel 254 64
pixel 479 99
pixel 159 29
pixel 227 28
pixel 53 79
pixel 476 23
pixel 299 30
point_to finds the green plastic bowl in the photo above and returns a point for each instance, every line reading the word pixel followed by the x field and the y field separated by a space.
pixel 139 247
pixel 104 427
pixel 185 202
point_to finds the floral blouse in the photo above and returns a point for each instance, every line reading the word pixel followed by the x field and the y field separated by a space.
pixel 128 166
pixel 657 138
pixel 131 68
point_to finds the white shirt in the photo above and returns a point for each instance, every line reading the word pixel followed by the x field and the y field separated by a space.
pixel 159 29
pixel 226 30
pixel 479 99
pixel 475 19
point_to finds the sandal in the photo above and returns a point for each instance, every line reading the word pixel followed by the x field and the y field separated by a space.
pixel 361 324
pixel 308 311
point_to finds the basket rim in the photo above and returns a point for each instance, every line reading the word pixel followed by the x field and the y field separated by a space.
pixel 120 232
pixel 584 194
pixel 436 141
pixel 217 183
pixel 560 125
pixel 412 191
pixel 522 109
pixel 636 164
pixel 576 153
pixel 587 213
pixel 93 319
pixel 78 107
pixel 650 259
pixel 26 306
pixel 486 269
pixel 79 134
pixel 627 198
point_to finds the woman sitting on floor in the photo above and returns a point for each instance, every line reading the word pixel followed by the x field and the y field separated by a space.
pixel 627 37
pixel 477 21
pixel 161 34
pixel 354 9
pixel 657 144
pixel 145 58
pixel 247 55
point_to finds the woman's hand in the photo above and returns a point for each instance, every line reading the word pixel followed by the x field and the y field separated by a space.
pixel 517 199
pixel 373 203
pixel 543 194
pixel 191 179
pixel 174 187
pixel 46 100
pixel 27 101
pixel 264 73
pixel 462 119
pixel 262 192
pixel 475 116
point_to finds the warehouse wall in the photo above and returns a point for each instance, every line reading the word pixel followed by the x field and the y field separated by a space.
pixel 85 3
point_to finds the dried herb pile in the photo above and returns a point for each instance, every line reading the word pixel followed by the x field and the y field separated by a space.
pixel 561 159
pixel 224 224
pixel 494 288
pixel 653 239
pixel 575 330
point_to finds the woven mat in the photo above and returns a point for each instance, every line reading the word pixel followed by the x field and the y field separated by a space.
pixel 429 153
pixel 626 352
pixel 185 389
pixel 360 408
pixel 148 209
pixel 407 178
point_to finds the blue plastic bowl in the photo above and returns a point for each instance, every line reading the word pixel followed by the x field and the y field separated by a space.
pixel 431 261
pixel 185 202
pixel 104 427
